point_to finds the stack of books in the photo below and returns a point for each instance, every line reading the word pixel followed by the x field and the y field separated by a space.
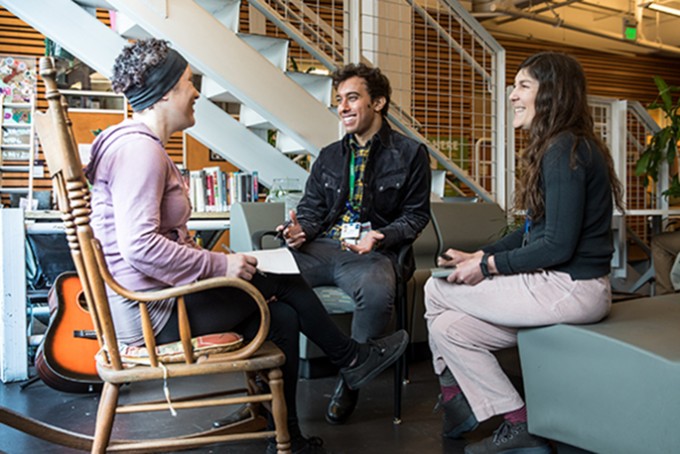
pixel 212 190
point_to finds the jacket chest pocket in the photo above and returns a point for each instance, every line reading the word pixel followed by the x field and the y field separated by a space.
pixel 387 191
pixel 331 186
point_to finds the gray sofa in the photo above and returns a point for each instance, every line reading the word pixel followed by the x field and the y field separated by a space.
pixel 610 387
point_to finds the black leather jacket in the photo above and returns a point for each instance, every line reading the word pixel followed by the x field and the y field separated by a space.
pixel 396 196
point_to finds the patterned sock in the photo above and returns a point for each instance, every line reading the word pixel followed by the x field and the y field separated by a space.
pixel 449 392
pixel 517 416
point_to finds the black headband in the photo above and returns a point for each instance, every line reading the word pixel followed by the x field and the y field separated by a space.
pixel 158 81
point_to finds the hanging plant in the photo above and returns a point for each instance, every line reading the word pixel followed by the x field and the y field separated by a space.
pixel 663 147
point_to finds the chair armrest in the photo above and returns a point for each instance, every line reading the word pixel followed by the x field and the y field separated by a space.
pixel 179 292
pixel 258 236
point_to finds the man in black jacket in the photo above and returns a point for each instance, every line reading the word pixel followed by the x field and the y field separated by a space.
pixel 367 195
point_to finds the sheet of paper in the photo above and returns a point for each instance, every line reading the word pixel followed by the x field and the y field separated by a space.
pixel 275 261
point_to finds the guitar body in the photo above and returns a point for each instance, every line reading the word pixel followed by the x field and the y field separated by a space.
pixel 66 359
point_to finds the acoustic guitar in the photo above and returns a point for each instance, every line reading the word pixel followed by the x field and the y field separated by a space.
pixel 65 360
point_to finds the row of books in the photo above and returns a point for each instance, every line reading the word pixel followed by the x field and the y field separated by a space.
pixel 212 190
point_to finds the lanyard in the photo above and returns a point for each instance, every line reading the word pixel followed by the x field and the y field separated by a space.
pixel 527 230
pixel 352 177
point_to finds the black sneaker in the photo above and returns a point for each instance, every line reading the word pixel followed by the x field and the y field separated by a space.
pixel 300 445
pixel 510 439
pixel 382 353
pixel 458 416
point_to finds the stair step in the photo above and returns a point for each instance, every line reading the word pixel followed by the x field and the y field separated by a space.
pixel 127 28
pixel 318 85
pixel 273 49
pixel 226 11
pixel 215 92
pixel 253 120
pixel 288 145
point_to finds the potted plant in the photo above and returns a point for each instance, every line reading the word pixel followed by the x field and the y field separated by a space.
pixel 664 143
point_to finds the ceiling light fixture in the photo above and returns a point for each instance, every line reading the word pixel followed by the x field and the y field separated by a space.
pixel 661 8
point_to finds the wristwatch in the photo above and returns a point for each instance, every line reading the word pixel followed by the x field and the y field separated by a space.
pixel 484 266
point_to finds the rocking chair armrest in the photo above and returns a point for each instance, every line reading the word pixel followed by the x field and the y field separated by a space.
pixel 179 292
pixel 175 292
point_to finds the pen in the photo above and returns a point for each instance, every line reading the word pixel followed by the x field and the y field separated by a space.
pixel 231 251
pixel 286 224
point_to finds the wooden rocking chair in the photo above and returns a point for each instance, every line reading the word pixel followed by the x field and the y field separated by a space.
pixel 256 359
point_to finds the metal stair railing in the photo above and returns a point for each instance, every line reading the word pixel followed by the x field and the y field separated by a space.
pixel 479 88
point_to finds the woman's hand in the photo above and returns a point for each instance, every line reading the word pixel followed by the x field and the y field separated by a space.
pixel 241 266
pixel 452 257
pixel 467 270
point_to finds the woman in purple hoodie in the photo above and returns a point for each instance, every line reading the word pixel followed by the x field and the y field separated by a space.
pixel 140 207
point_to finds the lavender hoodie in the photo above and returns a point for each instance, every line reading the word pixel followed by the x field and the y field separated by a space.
pixel 140 208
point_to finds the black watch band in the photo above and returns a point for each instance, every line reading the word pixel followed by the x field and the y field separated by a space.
pixel 484 266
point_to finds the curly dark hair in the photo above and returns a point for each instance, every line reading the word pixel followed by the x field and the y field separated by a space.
pixel 132 64
pixel 377 83
pixel 561 106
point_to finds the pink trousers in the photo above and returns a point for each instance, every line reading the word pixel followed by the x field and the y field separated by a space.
pixel 466 323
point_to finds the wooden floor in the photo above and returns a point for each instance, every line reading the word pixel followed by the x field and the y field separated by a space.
pixel 370 430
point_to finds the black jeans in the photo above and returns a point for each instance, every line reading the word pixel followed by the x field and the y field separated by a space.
pixel 369 279
pixel 296 309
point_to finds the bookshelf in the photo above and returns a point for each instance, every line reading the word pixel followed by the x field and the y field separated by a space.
pixel 17 145
pixel 95 101
pixel 214 190
pixel 17 136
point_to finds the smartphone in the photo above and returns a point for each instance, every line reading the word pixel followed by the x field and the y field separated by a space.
pixel 442 273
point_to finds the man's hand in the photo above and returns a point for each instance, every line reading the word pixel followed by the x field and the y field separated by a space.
pixel 367 243
pixel 241 266
pixel 292 232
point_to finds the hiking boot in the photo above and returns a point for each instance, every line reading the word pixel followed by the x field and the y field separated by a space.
pixel 458 416
pixel 382 353
pixel 510 439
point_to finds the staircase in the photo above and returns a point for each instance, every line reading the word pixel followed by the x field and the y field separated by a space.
pixel 243 69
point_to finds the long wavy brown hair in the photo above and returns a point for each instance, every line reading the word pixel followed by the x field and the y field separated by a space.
pixel 561 106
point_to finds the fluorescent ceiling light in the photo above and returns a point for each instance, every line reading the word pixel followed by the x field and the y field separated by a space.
pixel 661 8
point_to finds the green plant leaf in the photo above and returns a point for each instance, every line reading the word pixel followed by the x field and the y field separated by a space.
pixel 665 94
pixel 671 151
pixel 673 189
pixel 642 166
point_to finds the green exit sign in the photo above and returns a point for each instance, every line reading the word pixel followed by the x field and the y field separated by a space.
pixel 629 29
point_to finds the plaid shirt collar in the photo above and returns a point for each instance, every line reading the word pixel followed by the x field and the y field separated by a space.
pixel 354 144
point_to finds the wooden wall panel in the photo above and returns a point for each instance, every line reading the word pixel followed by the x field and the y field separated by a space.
pixel 18 38
pixel 614 76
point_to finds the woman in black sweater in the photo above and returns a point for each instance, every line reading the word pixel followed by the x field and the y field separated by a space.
pixel 554 269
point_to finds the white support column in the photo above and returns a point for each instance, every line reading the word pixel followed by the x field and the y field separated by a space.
pixel 13 349
pixel 353 54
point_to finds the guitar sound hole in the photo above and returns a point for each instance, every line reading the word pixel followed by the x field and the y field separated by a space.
pixel 82 301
